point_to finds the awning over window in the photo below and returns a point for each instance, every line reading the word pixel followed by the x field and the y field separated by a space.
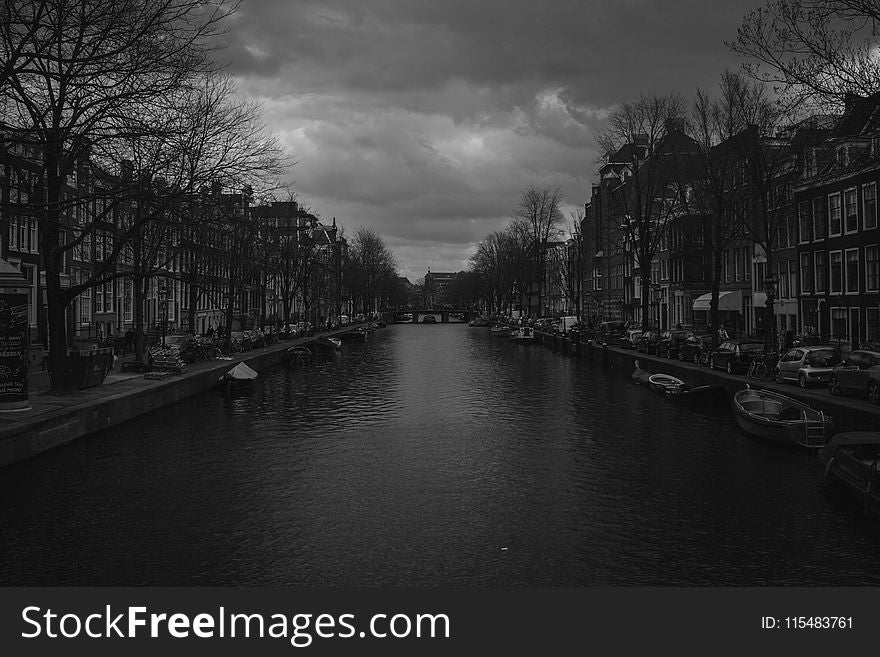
pixel 727 300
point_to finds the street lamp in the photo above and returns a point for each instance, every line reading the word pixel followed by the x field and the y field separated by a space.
pixel 163 306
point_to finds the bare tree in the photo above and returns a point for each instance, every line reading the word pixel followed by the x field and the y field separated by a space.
pixel 813 50
pixel 715 124
pixel 77 74
pixel 539 210
pixel 371 268
pixel 646 139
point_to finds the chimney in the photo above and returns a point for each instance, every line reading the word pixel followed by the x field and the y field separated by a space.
pixel 850 100
pixel 675 124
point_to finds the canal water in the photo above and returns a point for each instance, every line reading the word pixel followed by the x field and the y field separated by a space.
pixel 431 455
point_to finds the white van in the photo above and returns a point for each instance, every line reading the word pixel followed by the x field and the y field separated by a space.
pixel 565 323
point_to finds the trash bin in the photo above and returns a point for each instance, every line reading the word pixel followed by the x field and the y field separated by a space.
pixel 88 367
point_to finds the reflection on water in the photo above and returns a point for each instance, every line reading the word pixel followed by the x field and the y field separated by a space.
pixel 415 459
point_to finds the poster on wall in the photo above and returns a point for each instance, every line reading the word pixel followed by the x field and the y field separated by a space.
pixel 13 347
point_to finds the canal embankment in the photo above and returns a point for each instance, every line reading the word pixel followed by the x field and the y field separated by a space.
pixel 849 413
pixel 55 420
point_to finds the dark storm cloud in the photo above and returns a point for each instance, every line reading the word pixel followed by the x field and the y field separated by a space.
pixel 428 118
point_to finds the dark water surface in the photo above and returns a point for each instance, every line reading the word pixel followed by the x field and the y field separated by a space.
pixel 416 458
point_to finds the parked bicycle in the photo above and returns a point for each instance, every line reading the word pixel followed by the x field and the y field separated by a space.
pixel 762 366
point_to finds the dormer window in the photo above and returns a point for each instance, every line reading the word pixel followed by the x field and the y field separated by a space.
pixel 843 156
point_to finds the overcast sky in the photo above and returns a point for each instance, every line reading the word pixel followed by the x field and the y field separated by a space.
pixel 424 120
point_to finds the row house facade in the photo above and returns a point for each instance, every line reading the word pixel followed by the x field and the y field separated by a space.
pixel 838 244
pixel 819 201
pixel 185 275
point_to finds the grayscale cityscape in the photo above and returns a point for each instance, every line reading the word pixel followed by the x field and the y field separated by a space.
pixel 390 293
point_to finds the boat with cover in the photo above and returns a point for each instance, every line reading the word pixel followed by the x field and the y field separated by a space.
pixel 523 335
pixel 852 458
pixel 479 321
pixel 501 330
pixel 772 416
pixel 239 374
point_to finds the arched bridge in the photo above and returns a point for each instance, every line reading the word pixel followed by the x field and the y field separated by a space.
pixel 416 316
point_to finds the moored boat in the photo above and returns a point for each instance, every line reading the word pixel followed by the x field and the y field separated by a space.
pixel 298 354
pixel 703 395
pixel 664 382
pixel 780 419
pixel 479 321
pixel 523 335
pixel 501 330
pixel 640 376
pixel 241 373
pixel 852 458
pixel 329 341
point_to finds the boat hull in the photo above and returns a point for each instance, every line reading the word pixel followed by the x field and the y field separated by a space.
pixel 780 419
pixel 859 476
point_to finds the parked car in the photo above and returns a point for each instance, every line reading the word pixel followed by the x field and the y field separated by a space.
pixel 807 365
pixel 566 323
pixel 610 332
pixel 858 373
pixel 671 341
pixel 649 342
pixel 735 355
pixel 629 338
pixel 694 347
pixel 544 324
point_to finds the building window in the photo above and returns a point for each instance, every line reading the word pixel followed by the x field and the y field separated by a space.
pixel 838 323
pixel 85 302
pixel 13 233
pixel 872 269
pixel 819 218
pixel 792 278
pixel 806 273
pixel 852 270
pixel 869 205
pixel 805 222
pixel 835 266
pixel 782 277
pixel 819 267
pixel 851 208
pixel 35 236
pixel 126 300
pixel 834 215
pixel 872 321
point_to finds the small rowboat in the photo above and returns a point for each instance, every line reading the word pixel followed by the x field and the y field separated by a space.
pixel 780 419
pixel 298 355
pixel 664 382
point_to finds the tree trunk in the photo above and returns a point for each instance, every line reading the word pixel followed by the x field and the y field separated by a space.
pixel 50 245
pixel 714 322
pixel 193 302
pixel 139 287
